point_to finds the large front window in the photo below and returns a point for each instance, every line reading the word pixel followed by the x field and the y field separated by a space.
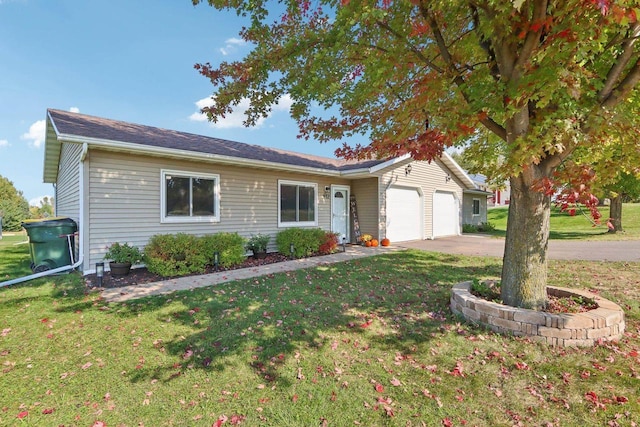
pixel 188 197
pixel 297 204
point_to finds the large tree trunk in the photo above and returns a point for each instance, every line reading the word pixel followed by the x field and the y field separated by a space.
pixel 615 214
pixel 524 267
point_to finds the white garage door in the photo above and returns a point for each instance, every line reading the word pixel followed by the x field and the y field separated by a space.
pixel 445 214
pixel 404 214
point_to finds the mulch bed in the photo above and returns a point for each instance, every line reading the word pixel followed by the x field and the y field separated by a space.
pixel 139 276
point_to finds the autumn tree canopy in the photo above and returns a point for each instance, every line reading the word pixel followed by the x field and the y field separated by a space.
pixel 525 83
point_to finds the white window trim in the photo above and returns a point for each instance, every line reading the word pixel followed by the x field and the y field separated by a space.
pixel 313 223
pixel 479 207
pixel 188 219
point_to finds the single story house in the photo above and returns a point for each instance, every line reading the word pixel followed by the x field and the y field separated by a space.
pixel 124 182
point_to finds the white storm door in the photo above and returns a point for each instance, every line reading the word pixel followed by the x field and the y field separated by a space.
pixel 340 212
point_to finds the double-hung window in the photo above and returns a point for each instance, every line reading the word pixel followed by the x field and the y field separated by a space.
pixel 476 207
pixel 298 204
pixel 190 197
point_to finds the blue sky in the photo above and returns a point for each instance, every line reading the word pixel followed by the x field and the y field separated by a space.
pixel 129 60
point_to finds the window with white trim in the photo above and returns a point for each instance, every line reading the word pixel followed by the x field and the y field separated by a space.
pixel 297 204
pixel 190 197
pixel 476 206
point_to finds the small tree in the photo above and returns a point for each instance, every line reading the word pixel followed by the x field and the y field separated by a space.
pixel 14 208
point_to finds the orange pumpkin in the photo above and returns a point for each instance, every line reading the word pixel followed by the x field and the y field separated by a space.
pixel 385 242
pixel 374 243
pixel 367 243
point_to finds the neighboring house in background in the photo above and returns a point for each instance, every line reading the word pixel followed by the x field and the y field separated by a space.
pixel 502 196
pixel 499 197
pixel 475 201
pixel 124 182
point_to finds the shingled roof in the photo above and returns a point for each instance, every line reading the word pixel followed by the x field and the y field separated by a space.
pixel 74 126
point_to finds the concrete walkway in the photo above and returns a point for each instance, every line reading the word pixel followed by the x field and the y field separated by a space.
pixel 191 282
pixel 480 245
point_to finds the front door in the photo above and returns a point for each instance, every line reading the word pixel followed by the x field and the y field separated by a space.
pixel 340 212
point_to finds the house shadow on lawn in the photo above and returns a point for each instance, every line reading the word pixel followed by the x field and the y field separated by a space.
pixel 390 302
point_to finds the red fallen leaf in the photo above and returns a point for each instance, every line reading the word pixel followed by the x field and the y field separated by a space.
pixel 446 422
pixel 23 414
pixel 44 320
pixel 633 353
pixel 395 382
pixel 236 419
pixel 379 388
pixel 522 366
pixel 621 399
pixel 48 411
pixel 294 399
pixel 457 371
pixel 333 396
pixel 366 324
pixel 99 424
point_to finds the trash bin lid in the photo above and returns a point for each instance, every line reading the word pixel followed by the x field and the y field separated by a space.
pixel 48 222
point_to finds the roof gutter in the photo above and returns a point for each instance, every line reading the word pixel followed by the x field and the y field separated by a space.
pixel 189 155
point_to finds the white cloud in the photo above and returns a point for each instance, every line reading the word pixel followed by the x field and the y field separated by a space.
pixel 237 117
pixel 4 143
pixel 38 200
pixel 35 136
pixel 74 109
pixel 231 45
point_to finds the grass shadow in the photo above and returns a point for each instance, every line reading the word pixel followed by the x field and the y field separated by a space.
pixel 395 301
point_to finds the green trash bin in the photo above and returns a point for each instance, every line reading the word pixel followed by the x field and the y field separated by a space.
pixel 50 242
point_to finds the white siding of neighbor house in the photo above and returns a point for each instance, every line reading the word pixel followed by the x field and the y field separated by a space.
pixel 429 178
pixel 67 198
pixel 366 192
pixel 467 209
pixel 124 200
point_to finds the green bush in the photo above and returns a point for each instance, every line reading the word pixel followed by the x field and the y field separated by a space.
pixel 480 228
pixel 175 254
pixel 306 241
pixel 229 245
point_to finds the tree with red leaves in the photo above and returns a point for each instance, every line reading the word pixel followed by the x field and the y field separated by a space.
pixel 525 83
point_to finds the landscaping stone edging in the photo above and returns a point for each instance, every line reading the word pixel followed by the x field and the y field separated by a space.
pixel 564 330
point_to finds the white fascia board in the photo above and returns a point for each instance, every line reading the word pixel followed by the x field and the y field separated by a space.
pixel 190 155
pixel 388 163
pixel 457 170
pixel 51 156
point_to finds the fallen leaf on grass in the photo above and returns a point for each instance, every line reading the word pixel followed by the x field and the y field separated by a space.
pixel 396 382
pixel 379 388
pixel 22 414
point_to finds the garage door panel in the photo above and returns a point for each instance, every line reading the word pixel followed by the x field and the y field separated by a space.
pixel 404 214
pixel 445 214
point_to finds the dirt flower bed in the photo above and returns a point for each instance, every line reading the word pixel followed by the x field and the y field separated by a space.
pixel 490 290
pixel 139 276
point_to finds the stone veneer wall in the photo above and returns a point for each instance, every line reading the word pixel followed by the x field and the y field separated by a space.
pixel 565 330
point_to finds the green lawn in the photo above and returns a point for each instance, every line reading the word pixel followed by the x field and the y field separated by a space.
pixel 369 342
pixel 580 226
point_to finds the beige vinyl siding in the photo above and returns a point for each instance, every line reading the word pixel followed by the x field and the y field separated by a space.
pixel 67 198
pixel 125 203
pixel 425 176
pixel 366 192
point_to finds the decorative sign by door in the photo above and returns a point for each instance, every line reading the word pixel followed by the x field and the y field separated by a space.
pixel 354 215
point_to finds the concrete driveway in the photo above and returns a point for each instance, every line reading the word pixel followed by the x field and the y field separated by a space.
pixel 473 244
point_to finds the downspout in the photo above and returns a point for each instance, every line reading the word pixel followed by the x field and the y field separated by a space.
pixel 83 155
